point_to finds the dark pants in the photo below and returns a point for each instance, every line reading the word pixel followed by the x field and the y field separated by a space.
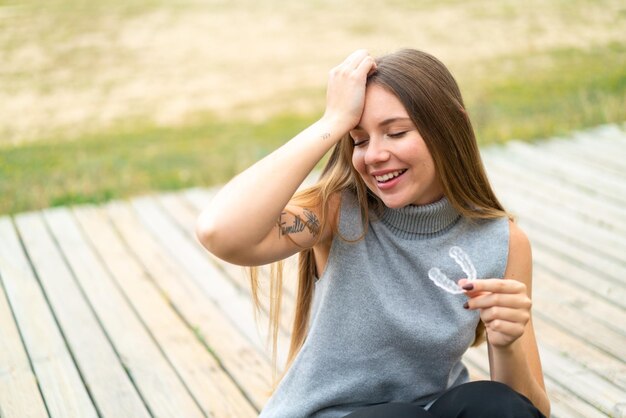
pixel 482 399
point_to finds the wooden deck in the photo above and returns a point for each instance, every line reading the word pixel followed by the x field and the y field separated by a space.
pixel 116 311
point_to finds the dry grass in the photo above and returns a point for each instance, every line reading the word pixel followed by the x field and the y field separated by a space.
pixel 72 67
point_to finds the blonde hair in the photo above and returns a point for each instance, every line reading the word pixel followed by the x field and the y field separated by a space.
pixel 433 101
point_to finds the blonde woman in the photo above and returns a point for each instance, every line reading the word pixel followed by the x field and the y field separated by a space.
pixel 406 256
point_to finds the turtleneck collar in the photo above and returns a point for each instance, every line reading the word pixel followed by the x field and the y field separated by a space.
pixel 421 220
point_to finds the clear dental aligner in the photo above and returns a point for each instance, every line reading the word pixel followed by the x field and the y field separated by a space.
pixel 463 260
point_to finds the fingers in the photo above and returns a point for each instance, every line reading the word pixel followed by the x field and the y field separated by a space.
pixel 345 96
pixel 359 63
pixel 504 307
pixel 492 293
pixel 504 324
pixel 502 333
pixel 353 60
pixel 489 300
pixel 367 66
pixel 475 287
pixel 499 313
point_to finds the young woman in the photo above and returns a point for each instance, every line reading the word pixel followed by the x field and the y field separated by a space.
pixel 406 256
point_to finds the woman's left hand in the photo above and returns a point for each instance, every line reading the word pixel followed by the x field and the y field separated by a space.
pixel 504 308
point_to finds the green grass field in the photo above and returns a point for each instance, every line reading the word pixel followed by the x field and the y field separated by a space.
pixel 526 95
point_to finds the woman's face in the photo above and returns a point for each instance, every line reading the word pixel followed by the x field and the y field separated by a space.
pixel 390 154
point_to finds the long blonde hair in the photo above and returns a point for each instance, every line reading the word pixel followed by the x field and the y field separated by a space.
pixel 433 101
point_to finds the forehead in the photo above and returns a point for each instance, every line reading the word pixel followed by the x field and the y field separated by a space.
pixel 380 105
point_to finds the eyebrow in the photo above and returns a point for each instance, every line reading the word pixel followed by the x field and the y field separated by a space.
pixel 385 122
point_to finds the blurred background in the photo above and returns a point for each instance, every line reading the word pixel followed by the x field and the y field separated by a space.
pixel 110 99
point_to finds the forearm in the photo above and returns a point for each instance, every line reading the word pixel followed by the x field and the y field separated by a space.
pixel 508 365
pixel 247 208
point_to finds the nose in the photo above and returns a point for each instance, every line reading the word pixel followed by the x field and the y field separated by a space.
pixel 376 152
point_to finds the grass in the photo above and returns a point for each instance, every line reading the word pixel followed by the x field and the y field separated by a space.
pixel 523 97
pixel 541 95
pixel 135 161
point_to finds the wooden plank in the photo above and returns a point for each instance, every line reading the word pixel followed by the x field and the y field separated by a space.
pixel 583 244
pixel 607 141
pixel 611 149
pixel 584 154
pixel 111 389
pixel 594 282
pixel 187 251
pixel 212 389
pixel 566 345
pixel 19 393
pixel 584 205
pixel 564 403
pixel 183 213
pixel 59 380
pixel 200 198
pixel 245 364
pixel 197 199
pixel 163 392
pixel 186 215
pixel 579 251
pixel 574 256
pixel 549 187
pixel 186 218
pixel 609 272
pixel 585 384
pixel 548 286
pixel 573 356
pixel 605 186
pixel 563 224
pixel 579 312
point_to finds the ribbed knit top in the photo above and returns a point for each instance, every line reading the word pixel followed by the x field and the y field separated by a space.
pixel 415 222
pixel 380 329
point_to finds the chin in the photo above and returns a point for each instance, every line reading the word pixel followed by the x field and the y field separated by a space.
pixel 394 203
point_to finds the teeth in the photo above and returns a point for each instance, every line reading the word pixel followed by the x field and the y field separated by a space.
pixel 388 176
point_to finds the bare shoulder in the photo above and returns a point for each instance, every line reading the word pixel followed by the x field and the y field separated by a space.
pixel 518 240
pixel 519 263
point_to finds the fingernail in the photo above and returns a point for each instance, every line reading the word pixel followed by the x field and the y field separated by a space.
pixel 468 286
pixel 466 305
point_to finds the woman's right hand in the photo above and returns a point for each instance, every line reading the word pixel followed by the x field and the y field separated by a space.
pixel 345 97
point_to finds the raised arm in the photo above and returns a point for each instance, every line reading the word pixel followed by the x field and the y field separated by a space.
pixel 247 218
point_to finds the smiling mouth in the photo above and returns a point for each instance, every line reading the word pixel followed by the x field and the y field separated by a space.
pixel 389 176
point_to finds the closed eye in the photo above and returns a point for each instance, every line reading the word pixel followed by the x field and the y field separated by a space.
pixel 397 134
pixel 361 142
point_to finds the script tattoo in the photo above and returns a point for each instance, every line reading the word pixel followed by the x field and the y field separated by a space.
pixel 284 229
pixel 311 223
pixel 326 135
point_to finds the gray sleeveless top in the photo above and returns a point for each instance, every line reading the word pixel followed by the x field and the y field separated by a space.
pixel 381 330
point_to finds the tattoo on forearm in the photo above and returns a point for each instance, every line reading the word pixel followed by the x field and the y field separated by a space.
pixel 326 135
pixel 312 224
